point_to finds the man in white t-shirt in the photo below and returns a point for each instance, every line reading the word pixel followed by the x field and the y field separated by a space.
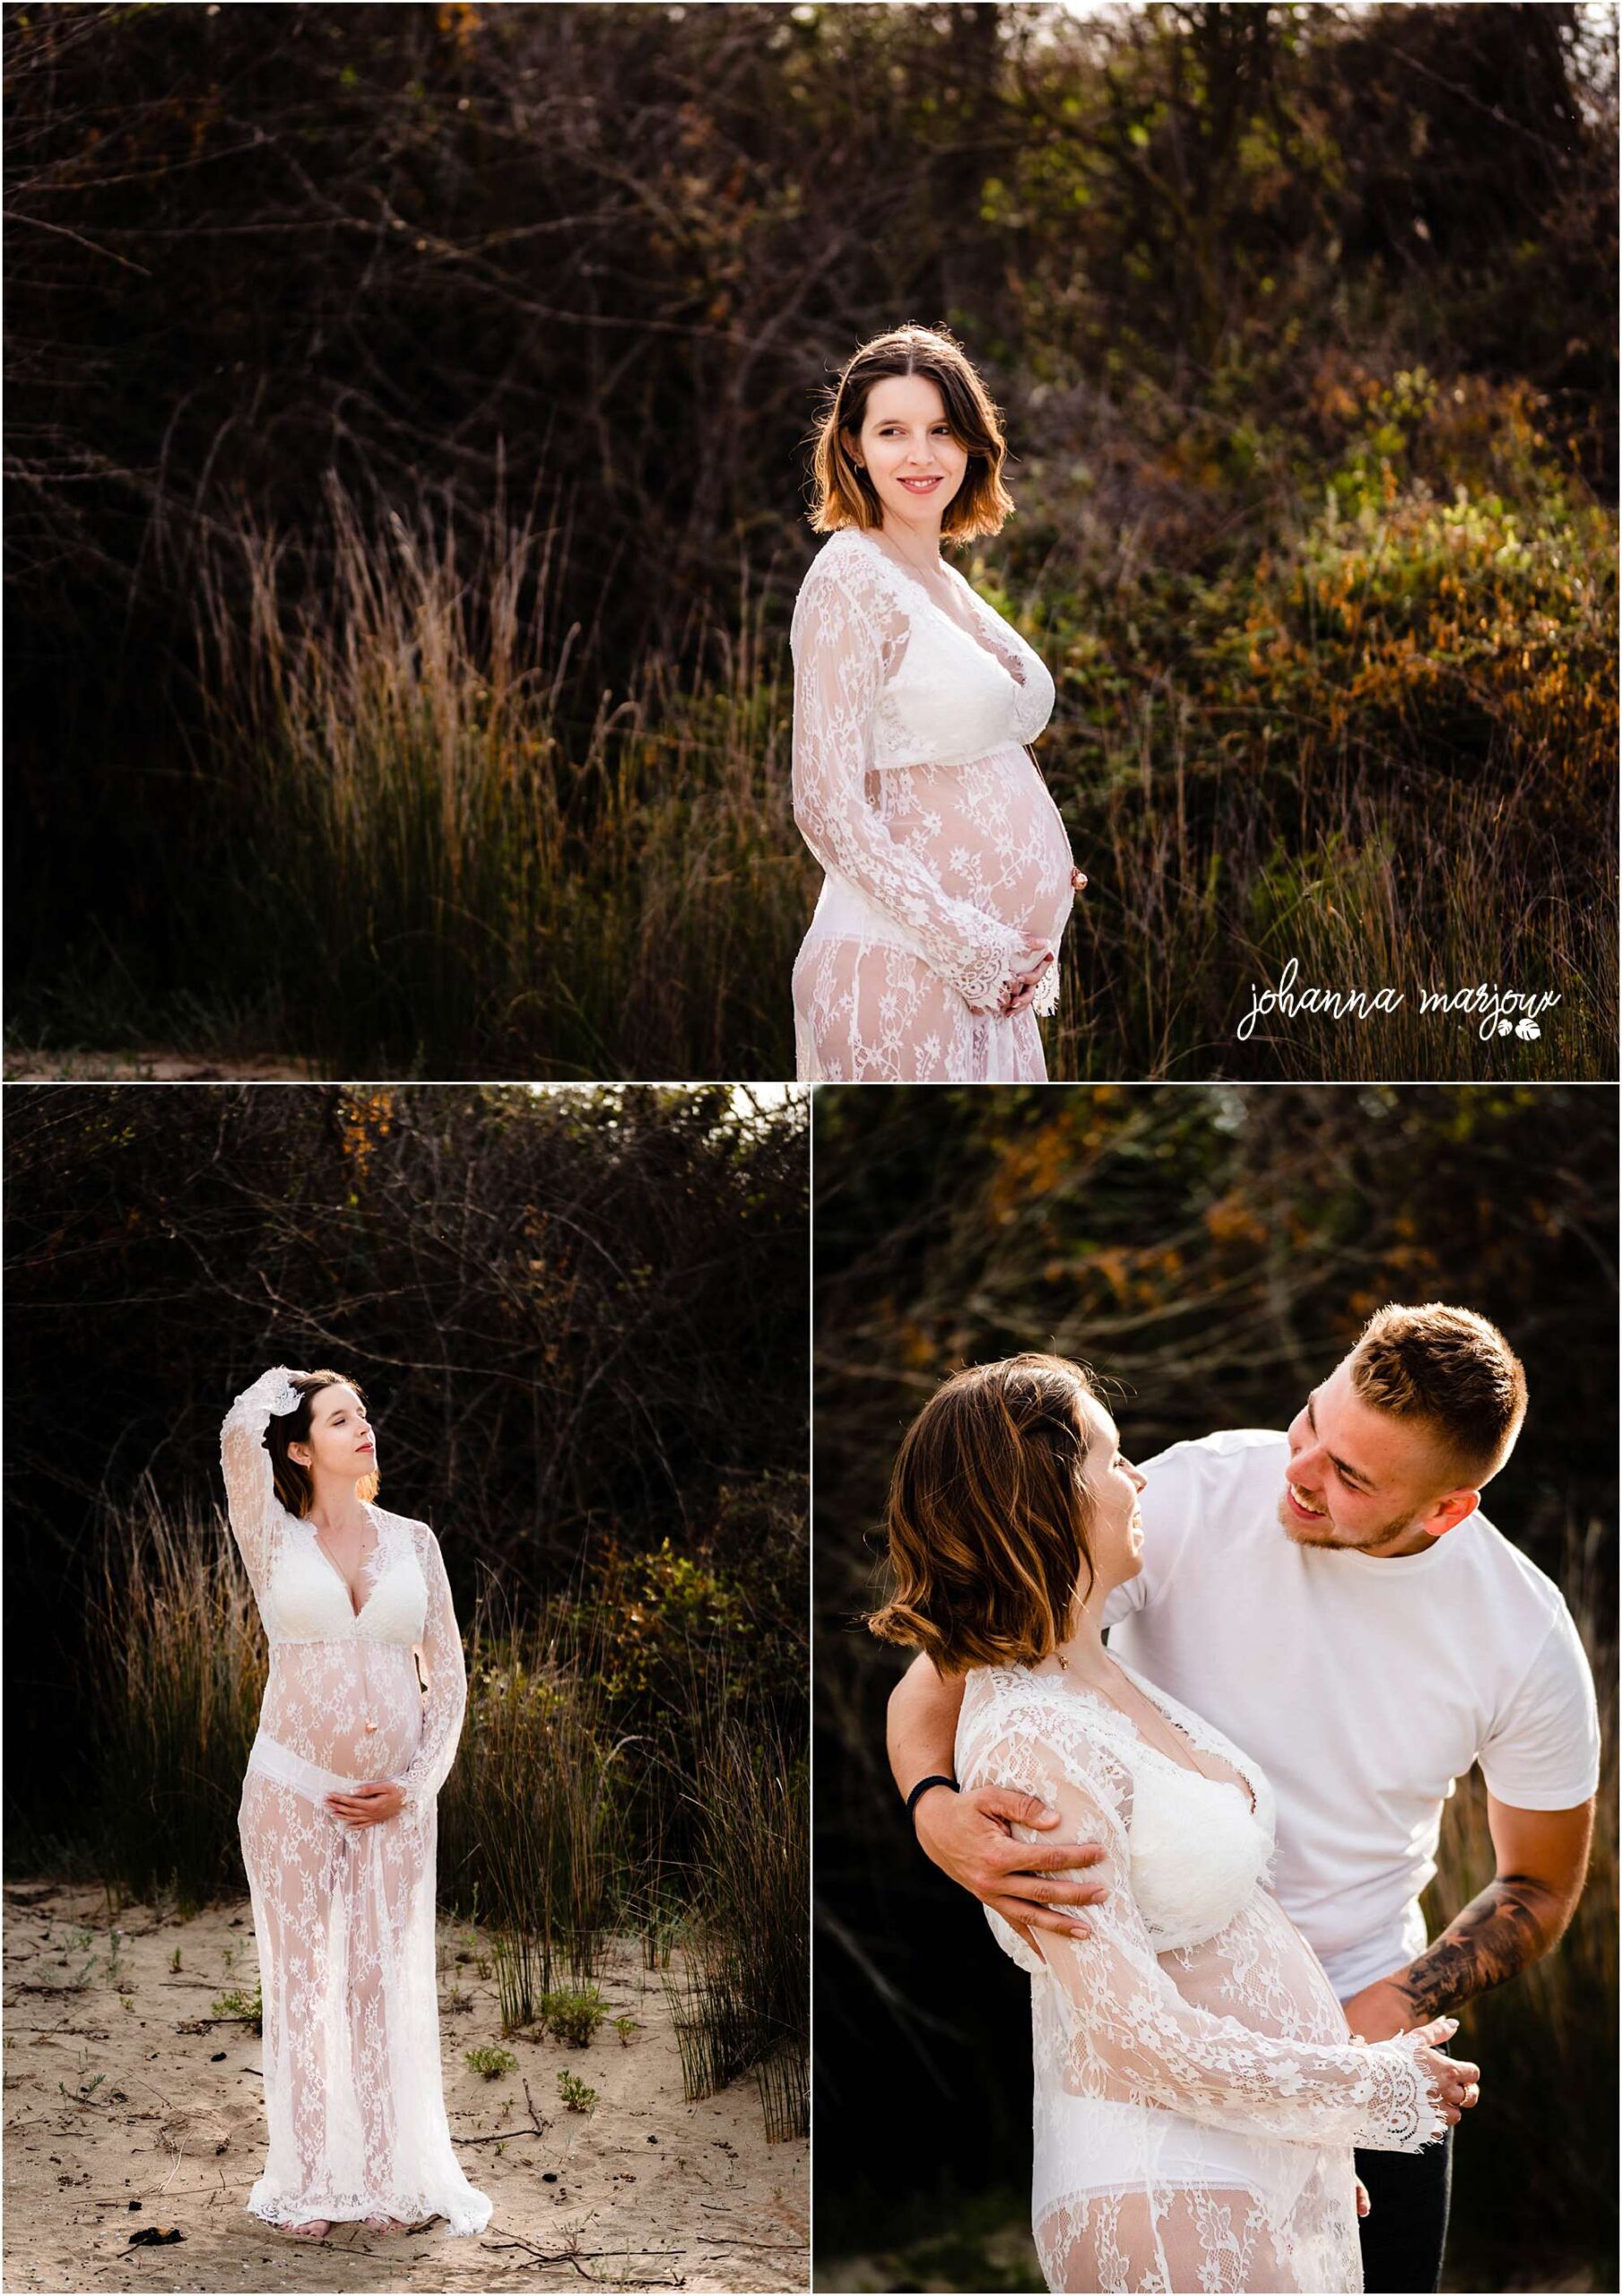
pixel 1334 1601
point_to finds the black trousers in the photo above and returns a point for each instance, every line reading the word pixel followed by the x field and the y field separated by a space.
pixel 1406 2227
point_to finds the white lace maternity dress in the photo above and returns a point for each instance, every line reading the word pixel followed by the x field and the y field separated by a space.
pixel 344 1917
pixel 1197 2095
pixel 944 857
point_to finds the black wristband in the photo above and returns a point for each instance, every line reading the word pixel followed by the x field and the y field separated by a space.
pixel 923 1785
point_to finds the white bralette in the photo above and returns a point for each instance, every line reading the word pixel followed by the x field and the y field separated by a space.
pixel 308 1601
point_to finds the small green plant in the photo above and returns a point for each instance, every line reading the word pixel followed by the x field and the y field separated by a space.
pixel 174 1958
pixel 249 2006
pixel 573 2016
pixel 457 2003
pixel 575 2092
pixel 625 2027
pixel 490 2063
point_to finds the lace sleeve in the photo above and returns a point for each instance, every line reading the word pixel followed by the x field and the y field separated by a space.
pixel 250 1489
pixel 447 1700
pixel 838 671
pixel 1131 2036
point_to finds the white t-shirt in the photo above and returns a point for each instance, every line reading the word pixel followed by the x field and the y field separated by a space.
pixel 1363 1684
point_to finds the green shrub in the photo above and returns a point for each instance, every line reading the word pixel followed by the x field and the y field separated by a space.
pixel 240 2003
pixel 573 2016
pixel 489 2063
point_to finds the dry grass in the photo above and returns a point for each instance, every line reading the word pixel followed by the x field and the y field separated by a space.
pixel 441 860
pixel 439 853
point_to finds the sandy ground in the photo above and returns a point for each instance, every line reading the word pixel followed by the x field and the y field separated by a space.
pixel 128 2106
pixel 26 1067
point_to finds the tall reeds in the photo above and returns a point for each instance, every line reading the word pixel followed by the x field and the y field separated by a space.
pixel 179 1655
pixel 425 842
pixel 440 856
pixel 743 2001
pixel 532 1817
pixel 1200 895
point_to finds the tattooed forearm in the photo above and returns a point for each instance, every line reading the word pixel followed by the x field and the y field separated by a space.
pixel 1513 1921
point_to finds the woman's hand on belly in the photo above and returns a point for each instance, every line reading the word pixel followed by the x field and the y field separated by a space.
pixel 1021 986
pixel 368 1805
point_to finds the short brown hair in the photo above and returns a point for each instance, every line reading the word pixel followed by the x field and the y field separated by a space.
pixel 989 1518
pixel 294 1487
pixel 846 497
pixel 1452 1368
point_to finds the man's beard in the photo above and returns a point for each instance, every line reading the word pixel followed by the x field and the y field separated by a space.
pixel 1300 1534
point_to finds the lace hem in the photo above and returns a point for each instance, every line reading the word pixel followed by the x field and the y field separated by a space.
pixel 461 2216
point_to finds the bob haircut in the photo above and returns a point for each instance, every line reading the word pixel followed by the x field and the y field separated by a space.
pixel 294 1488
pixel 989 1518
pixel 846 497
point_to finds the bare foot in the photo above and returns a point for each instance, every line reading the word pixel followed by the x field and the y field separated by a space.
pixel 387 2225
pixel 315 2227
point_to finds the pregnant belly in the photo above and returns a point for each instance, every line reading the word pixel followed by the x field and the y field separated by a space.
pixel 350 1706
pixel 992 835
pixel 1262 1971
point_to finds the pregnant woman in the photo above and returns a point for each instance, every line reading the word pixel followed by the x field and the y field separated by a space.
pixel 337 1818
pixel 1198 2096
pixel 948 876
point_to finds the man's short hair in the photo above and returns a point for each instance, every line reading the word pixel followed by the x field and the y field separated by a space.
pixel 1452 1369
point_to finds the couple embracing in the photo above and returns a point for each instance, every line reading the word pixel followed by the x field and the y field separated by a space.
pixel 1206 1840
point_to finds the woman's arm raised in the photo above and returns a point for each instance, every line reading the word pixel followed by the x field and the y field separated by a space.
pixel 250 1489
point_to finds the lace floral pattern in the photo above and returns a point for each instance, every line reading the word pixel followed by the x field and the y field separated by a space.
pixel 945 860
pixel 345 1918
pixel 1196 2102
